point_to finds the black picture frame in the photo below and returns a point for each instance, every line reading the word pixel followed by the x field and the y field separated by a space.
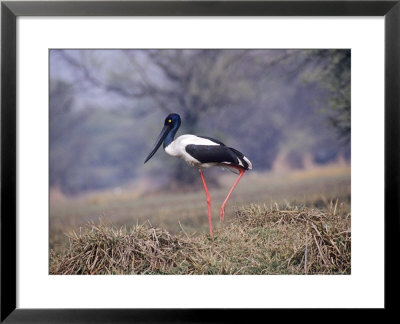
pixel 10 10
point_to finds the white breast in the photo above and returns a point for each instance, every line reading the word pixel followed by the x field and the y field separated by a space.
pixel 177 147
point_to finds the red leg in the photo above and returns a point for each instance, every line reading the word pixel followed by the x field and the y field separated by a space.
pixel 208 201
pixel 221 215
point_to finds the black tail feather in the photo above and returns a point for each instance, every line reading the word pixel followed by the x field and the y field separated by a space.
pixel 240 156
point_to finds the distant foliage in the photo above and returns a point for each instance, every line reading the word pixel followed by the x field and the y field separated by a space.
pixel 336 78
pixel 89 149
pixel 107 107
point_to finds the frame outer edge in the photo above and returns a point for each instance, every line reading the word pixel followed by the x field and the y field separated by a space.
pixel 8 161
pixel 392 150
pixel 8 158
pixel 203 8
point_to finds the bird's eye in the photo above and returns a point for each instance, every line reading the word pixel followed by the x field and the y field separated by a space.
pixel 169 120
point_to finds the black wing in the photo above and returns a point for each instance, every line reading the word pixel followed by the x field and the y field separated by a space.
pixel 216 154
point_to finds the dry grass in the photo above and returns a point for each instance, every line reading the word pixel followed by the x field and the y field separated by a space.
pixel 313 188
pixel 321 240
pixel 110 250
pixel 259 240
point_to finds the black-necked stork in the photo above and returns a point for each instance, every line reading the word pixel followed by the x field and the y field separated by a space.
pixel 201 152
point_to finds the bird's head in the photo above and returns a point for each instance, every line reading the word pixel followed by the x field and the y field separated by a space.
pixel 172 120
pixel 171 125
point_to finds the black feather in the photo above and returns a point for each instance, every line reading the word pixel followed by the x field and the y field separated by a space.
pixel 216 154
pixel 240 156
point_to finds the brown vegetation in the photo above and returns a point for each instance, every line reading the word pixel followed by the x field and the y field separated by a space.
pixel 259 240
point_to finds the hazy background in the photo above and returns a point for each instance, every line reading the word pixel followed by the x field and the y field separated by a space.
pixel 288 111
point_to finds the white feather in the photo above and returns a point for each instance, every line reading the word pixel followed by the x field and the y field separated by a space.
pixel 177 148
pixel 248 162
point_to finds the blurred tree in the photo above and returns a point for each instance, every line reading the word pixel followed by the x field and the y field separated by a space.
pixel 320 105
pixel 89 148
pixel 62 121
pixel 109 108
pixel 194 83
pixel 333 73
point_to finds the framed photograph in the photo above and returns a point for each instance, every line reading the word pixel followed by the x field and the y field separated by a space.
pixel 298 99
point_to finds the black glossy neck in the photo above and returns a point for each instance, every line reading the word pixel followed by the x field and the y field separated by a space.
pixel 171 135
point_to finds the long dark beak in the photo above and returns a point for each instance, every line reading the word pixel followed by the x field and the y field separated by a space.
pixel 160 139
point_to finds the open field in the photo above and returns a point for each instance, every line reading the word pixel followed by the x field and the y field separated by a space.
pixel 273 217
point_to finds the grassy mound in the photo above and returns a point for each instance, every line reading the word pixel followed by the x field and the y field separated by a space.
pixel 259 240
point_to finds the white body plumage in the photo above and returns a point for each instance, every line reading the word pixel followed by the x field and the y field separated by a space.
pixel 178 148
